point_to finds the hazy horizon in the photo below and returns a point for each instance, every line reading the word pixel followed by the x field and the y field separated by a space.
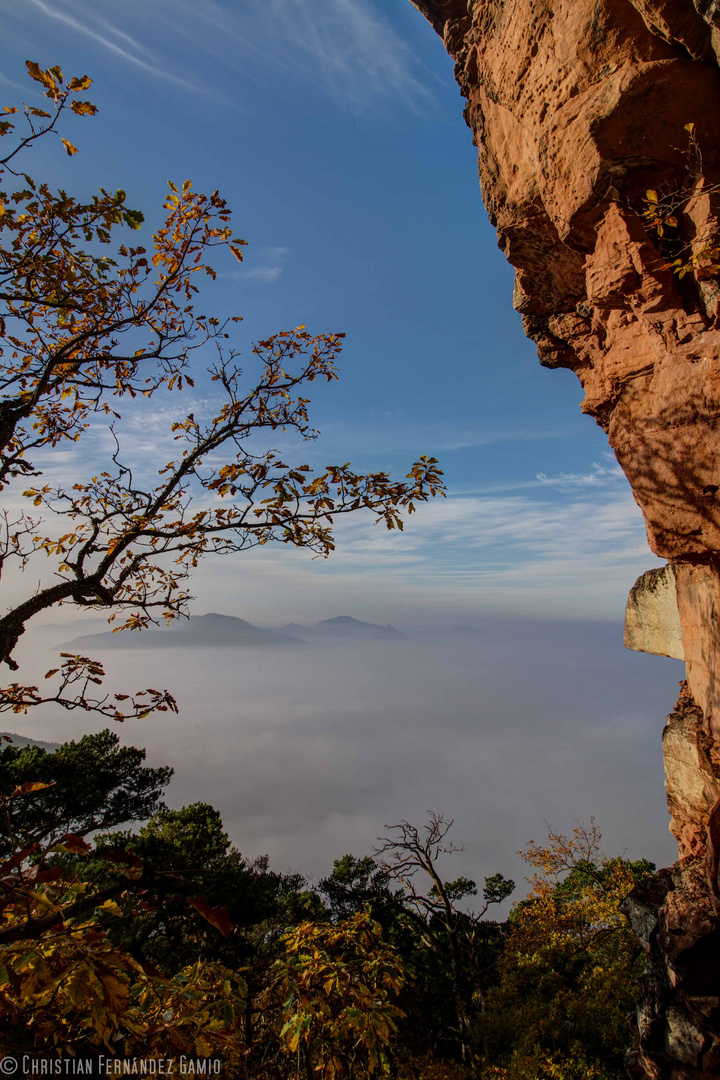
pixel 308 753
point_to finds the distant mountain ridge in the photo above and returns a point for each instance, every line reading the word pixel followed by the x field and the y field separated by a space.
pixel 11 738
pixel 343 627
pixel 227 631
pixel 199 631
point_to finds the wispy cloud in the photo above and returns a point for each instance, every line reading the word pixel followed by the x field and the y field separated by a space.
pixel 266 274
pixel 507 529
pixel 488 435
pixel 268 271
pixel 352 45
pixel 132 52
pixel 400 431
pixel 348 48
pixel 576 551
pixel 519 554
pixel 15 85
pixel 602 474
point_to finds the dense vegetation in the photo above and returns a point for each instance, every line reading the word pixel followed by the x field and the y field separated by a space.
pixel 163 939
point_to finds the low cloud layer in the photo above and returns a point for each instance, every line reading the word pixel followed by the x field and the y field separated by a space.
pixel 308 752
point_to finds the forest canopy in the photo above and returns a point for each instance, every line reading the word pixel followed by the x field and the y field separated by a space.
pixel 165 939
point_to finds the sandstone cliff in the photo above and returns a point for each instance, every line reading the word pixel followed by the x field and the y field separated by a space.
pixel 579 108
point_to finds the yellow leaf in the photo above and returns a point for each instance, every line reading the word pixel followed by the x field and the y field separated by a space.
pixel 83 108
pixel 203 1046
pixel 117 993
pixel 80 84
pixel 75 985
pixel 44 77
pixel 29 786
pixel 111 907
pixel 69 147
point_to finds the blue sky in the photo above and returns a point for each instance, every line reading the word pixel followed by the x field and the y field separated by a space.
pixel 334 129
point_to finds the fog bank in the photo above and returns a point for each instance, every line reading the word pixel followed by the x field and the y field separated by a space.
pixel 307 752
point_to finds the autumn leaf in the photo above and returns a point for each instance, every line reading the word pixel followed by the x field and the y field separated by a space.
pixel 75 986
pixel 235 248
pixel 216 916
pixel 18 857
pixel 29 786
pixel 83 108
pixel 80 84
pixel 111 908
pixel 38 876
pixel 69 147
pixel 44 77
pixel 74 844
pixel 203 1046
pixel 117 993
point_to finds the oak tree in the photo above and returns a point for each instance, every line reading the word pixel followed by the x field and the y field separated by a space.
pixel 87 323
pixel 570 970
pixel 339 983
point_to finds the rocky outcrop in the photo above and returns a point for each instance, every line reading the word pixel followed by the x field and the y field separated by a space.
pixel 652 617
pixel 678 1021
pixel 596 123
pixel 691 777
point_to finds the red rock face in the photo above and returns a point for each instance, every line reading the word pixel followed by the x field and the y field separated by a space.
pixel 578 109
